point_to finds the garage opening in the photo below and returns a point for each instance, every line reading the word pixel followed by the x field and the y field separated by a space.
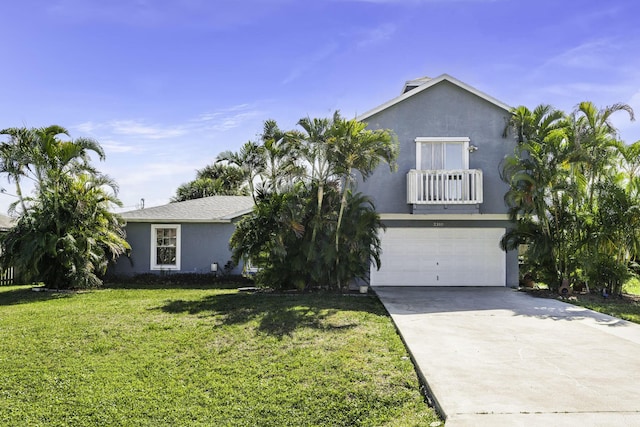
pixel 441 257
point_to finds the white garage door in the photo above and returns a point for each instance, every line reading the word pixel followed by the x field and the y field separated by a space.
pixel 441 257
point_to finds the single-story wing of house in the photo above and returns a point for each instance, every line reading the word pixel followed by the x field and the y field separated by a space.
pixel 183 237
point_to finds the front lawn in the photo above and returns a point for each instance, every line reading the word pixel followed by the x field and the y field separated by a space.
pixel 625 307
pixel 178 357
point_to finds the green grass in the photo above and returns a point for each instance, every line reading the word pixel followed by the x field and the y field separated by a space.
pixel 178 357
pixel 622 309
pixel 626 307
pixel 632 286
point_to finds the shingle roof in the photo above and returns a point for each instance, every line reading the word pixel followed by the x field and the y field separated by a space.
pixel 207 209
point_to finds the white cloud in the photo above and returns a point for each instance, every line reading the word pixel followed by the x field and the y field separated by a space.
pixel 156 181
pixel 112 132
pixel 579 90
pixel 86 127
pixel 136 128
pixel 376 35
pixel 111 146
pixel 592 54
pixel 225 119
pixel 308 62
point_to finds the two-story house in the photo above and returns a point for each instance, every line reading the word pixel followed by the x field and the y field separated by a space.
pixel 444 208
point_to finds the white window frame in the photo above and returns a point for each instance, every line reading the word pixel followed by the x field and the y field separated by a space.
pixel 154 246
pixel 463 140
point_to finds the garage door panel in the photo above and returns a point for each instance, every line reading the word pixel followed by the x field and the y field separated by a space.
pixel 441 257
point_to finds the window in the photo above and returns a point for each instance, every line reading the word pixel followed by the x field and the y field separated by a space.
pixel 165 247
pixel 442 153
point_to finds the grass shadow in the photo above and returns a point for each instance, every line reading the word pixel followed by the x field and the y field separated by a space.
pixel 175 281
pixel 277 315
pixel 25 295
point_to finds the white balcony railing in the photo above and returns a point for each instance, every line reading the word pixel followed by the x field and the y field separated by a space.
pixel 439 187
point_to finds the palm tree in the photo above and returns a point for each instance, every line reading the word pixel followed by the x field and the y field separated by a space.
pixel 533 125
pixel 316 231
pixel 39 154
pixel 215 179
pixel 250 160
pixel 360 244
pixel 314 149
pixel 540 188
pixel 597 139
pixel 630 167
pixel 67 233
pixel 353 147
pixel 280 150
pixel 562 178
pixel 15 157
pixel 67 239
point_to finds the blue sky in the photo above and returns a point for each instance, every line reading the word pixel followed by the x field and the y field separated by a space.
pixel 166 85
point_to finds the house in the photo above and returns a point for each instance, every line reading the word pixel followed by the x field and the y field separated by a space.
pixel 183 237
pixel 444 207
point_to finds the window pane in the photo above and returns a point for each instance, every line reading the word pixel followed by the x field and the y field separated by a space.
pixel 166 237
pixel 438 156
pixel 454 156
pixel 432 156
pixel 165 256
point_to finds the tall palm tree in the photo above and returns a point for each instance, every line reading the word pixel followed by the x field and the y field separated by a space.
pixel 528 125
pixel 39 154
pixel 67 239
pixel 354 148
pixel 249 159
pixel 597 139
pixel 67 233
pixel 15 157
pixel 630 167
pixel 215 179
pixel 540 187
pixel 280 149
pixel 314 149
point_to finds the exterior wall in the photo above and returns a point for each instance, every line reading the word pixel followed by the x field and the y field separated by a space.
pixel 443 110
pixel 201 245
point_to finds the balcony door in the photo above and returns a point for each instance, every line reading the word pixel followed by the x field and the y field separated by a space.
pixel 449 157
pixel 441 153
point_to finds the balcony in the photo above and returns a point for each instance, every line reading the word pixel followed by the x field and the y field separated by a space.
pixel 444 187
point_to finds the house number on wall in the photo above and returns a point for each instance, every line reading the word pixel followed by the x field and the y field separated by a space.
pixel 438 224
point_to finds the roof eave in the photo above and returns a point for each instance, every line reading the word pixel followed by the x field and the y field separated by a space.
pixel 429 84
pixel 178 221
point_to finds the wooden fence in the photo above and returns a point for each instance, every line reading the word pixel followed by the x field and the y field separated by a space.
pixel 6 277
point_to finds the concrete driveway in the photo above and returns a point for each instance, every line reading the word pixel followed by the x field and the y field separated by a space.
pixel 499 357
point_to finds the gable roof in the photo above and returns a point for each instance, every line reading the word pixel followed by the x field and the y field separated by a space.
pixel 414 87
pixel 221 209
